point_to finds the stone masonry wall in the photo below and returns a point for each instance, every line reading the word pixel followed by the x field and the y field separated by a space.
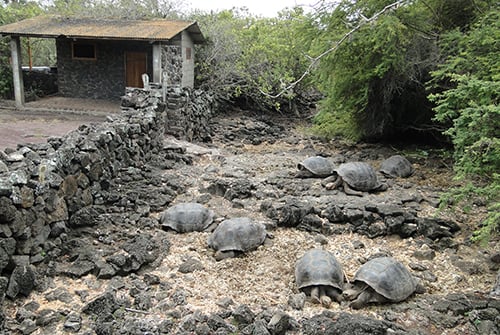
pixel 189 113
pixel 102 78
pixel 42 185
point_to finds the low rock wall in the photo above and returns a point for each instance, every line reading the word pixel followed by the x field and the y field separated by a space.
pixel 189 113
pixel 43 185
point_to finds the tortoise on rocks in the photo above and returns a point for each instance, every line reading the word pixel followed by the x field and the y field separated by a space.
pixel 355 177
pixel 233 237
pixel 314 167
pixel 187 217
pixel 319 275
pixel 396 166
pixel 382 279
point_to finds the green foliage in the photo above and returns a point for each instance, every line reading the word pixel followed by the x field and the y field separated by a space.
pixel 253 59
pixel 468 92
pixel 490 227
pixel 10 13
pixel 218 59
pixel 6 84
pixel 128 9
pixel 375 78
pixel 330 125
pixel 472 107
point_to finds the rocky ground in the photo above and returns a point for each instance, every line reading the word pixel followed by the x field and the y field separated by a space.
pixel 116 271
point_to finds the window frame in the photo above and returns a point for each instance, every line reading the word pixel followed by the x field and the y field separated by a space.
pixel 76 43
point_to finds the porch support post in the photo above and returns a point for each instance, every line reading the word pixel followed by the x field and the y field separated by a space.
pixel 17 72
pixel 157 63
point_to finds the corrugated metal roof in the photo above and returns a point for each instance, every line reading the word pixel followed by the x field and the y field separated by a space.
pixel 56 26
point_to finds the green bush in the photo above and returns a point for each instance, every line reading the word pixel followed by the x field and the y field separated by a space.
pixel 374 81
pixel 467 104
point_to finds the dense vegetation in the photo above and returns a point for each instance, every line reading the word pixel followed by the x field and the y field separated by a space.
pixel 379 69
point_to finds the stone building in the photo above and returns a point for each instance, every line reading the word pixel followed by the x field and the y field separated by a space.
pixel 98 58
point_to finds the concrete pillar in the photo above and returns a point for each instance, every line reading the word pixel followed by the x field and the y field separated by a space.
pixel 157 70
pixel 17 72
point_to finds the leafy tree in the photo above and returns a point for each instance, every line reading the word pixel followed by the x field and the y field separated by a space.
pixel 374 82
pixel 144 9
pixel 467 102
pixel 218 59
pixel 9 13
pixel 275 54
pixel 249 60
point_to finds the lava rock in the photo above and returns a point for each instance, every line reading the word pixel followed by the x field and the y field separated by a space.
pixel 22 281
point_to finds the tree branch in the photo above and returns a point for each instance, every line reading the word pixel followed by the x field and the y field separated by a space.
pixel 315 60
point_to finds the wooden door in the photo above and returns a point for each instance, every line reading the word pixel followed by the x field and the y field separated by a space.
pixel 135 66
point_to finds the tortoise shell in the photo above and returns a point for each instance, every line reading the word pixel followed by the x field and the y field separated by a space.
pixel 187 217
pixel 316 166
pixel 318 267
pixel 388 277
pixel 396 166
pixel 359 176
pixel 238 234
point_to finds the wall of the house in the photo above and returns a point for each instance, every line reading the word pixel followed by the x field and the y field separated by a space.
pixel 187 64
pixel 102 78
pixel 171 60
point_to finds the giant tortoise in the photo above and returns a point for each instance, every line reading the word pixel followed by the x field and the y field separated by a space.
pixel 318 274
pixel 187 217
pixel 382 279
pixel 396 166
pixel 233 237
pixel 355 178
pixel 314 167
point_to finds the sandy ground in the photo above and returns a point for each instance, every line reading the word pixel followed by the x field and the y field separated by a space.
pixel 48 117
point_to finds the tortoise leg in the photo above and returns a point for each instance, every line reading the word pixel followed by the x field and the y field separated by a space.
pixel 334 294
pixel 382 187
pixel 211 227
pixel 349 191
pixel 220 255
pixel 324 299
pixel 315 294
pixel 332 182
pixel 365 297
pixel 362 300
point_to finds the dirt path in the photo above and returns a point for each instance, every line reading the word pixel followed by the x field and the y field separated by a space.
pixel 18 127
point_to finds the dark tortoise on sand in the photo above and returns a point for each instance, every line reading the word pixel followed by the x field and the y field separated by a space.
pixel 382 279
pixel 314 167
pixel 318 274
pixel 355 178
pixel 396 166
pixel 233 237
pixel 187 217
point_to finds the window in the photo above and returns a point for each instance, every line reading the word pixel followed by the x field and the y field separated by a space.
pixel 82 50
pixel 188 53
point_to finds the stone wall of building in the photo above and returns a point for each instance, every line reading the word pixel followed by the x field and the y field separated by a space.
pixel 171 60
pixel 102 78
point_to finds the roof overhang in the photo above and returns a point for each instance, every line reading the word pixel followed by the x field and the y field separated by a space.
pixel 90 28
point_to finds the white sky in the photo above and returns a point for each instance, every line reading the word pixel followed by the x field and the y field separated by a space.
pixel 267 8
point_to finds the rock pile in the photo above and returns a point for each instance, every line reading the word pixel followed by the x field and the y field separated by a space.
pixel 48 189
